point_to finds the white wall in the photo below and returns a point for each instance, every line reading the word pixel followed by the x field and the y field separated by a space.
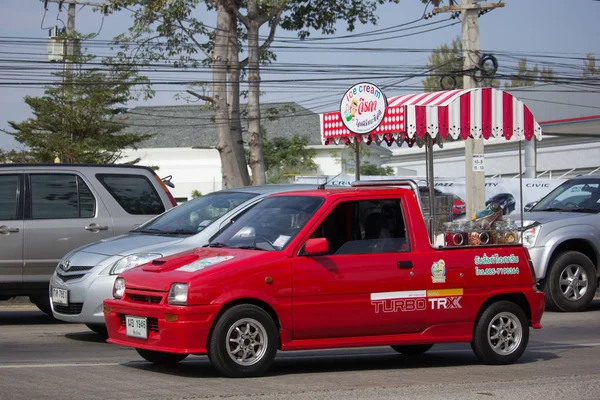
pixel 192 169
pixel 502 163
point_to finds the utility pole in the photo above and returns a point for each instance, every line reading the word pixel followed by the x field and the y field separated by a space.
pixel 475 177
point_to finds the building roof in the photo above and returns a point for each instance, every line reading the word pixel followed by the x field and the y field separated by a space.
pixel 192 126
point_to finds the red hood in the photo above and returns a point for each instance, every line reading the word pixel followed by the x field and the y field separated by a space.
pixel 159 274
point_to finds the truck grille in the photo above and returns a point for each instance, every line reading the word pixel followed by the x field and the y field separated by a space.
pixel 71 309
pixel 142 298
pixel 152 323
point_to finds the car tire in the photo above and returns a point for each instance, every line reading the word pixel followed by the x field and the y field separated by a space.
pixel 42 303
pixel 501 334
pixel 100 329
pixel 244 342
pixel 571 283
pixel 414 350
pixel 160 357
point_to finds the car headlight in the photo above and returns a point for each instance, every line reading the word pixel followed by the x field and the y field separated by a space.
pixel 131 261
pixel 530 232
pixel 178 294
pixel 119 288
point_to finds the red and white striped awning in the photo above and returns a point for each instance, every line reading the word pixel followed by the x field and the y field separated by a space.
pixel 477 113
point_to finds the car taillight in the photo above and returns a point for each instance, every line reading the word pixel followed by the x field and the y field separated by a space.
pixel 531 268
pixel 166 189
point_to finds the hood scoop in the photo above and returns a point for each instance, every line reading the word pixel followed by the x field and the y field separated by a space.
pixel 166 264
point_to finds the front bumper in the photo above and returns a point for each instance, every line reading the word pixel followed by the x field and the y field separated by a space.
pixel 85 298
pixel 539 258
pixel 187 335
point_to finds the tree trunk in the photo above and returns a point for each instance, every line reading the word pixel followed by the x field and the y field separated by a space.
pixel 255 141
pixel 229 165
pixel 233 61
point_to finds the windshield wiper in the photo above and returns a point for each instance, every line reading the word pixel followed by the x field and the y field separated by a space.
pixel 250 247
pixel 215 244
pixel 549 209
pixel 583 210
pixel 179 232
pixel 149 230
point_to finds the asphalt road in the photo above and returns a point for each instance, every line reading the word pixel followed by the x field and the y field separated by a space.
pixel 41 358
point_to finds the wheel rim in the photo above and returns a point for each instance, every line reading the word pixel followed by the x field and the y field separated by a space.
pixel 246 341
pixel 505 333
pixel 573 282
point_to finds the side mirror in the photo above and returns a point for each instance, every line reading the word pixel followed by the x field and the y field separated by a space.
pixel 315 247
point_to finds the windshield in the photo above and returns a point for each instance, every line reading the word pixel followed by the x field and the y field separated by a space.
pixel 195 215
pixel 270 225
pixel 576 195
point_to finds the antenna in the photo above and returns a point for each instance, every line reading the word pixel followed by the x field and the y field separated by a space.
pixel 322 185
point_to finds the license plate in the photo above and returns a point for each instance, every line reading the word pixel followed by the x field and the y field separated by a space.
pixel 60 296
pixel 136 327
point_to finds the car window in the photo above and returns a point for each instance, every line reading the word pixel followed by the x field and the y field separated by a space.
pixel 59 196
pixel 8 197
pixel 572 195
pixel 365 227
pixel 134 193
pixel 196 215
pixel 271 224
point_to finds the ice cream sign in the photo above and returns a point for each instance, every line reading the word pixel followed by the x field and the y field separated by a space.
pixel 362 108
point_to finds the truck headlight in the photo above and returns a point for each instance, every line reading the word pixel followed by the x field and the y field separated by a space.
pixel 131 261
pixel 119 288
pixel 530 233
pixel 178 294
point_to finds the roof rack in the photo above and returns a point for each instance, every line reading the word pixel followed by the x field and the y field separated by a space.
pixel 392 182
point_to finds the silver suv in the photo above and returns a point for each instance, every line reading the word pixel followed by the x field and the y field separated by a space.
pixel 47 210
pixel 562 234
pixel 84 278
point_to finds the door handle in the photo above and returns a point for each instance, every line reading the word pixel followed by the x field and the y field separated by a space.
pixel 5 230
pixel 405 264
pixel 96 227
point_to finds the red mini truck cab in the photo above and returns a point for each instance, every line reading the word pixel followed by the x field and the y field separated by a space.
pixel 327 268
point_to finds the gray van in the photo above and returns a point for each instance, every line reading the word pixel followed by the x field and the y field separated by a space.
pixel 47 210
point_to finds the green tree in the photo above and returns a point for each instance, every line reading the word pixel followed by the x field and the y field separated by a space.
pixel 590 68
pixel 77 118
pixel 186 38
pixel 446 62
pixel 529 77
pixel 285 157
pixel 196 193
pixel 367 168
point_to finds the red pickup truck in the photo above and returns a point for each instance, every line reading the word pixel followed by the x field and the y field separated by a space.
pixel 326 268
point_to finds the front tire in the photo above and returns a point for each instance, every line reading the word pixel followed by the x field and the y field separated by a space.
pixel 571 283
pixel 42 303
pixel 161 358
pixel 414 350
pixel 501 334
pixel 244 342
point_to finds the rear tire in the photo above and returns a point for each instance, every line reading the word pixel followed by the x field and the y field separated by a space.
pixel 571 283
pixel 414 350
pixel 100 329
pixel 161 358
pixel 501 334
pixel 243 342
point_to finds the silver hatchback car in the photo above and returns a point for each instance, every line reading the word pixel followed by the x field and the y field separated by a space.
pixel 84 278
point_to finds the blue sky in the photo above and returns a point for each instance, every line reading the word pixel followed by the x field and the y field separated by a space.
pixel 542 26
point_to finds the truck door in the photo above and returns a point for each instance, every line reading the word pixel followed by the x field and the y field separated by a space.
pixel 367 283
